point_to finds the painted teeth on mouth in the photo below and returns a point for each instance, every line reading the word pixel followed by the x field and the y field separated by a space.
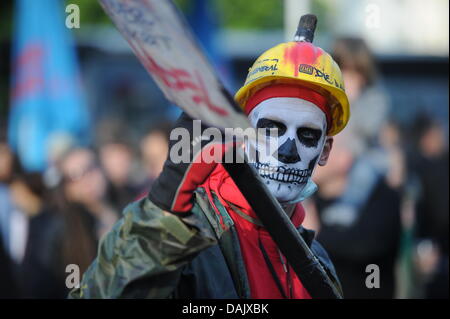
pixel 265 168
pixel 281 174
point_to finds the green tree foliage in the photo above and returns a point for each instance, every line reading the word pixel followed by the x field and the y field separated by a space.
pixel 234 14
pixel 245 14
pixel 91 12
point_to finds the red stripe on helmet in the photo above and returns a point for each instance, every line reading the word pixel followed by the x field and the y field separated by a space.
pixel 289 90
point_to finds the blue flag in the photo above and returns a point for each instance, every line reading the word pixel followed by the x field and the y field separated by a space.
pixel 46 98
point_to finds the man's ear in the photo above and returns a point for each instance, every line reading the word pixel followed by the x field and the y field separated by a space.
pixel 326 151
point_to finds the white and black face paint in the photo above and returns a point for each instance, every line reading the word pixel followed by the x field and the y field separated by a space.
pixel 301 137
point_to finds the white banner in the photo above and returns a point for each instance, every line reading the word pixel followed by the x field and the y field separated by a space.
pixel 164 44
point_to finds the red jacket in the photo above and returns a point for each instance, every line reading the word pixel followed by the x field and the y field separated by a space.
pixel 263 284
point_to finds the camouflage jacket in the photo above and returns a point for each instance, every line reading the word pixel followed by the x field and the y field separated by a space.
pixel 154 254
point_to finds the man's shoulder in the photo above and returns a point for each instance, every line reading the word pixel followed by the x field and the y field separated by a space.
pixel 309 238
pixel 320 252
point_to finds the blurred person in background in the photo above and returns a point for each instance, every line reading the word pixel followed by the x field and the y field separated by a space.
pixel 8 286
pixel 359 199
pixel 13 223
pixel 117 159
pixel 46 233
pixel 369 106
pixel 429 164
pixel 369 103
pixel 118 162
pixel 154 147
pixel 37 271
pixel 83 187
pixel 6 170
pixel 83 212
pixel 371 235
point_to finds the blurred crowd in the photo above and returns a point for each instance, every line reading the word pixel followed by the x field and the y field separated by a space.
pixel 382 197
pixel 54 219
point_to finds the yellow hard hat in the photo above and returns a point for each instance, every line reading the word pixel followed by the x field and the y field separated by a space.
pixel 304 64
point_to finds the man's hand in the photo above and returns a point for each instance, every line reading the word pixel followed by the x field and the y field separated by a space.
pixel 173 189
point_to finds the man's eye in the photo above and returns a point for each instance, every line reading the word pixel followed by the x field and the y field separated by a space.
pixel 276 128
pixel 307 134
pixel 309 137
pixel 271 125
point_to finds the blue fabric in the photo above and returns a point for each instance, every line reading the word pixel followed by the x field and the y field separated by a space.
pixel 46 94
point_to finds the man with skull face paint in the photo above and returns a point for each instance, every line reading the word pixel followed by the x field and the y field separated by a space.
pixel 195 235
pixel 301 119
